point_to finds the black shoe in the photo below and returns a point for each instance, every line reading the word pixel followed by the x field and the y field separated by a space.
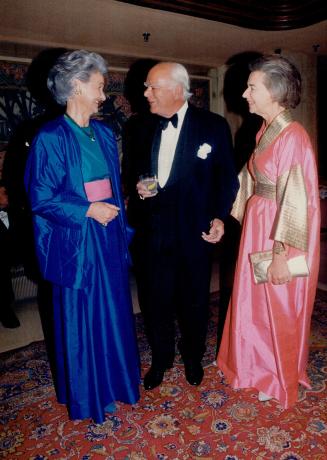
pixel 9 319
pixel 194 373
pixel 153 378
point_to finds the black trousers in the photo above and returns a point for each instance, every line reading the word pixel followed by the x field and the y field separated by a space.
pixel 7 293
pixel 228 252
pixel 173 284
pixel 6 289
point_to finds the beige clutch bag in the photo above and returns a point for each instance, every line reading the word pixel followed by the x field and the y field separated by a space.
pixel 260 262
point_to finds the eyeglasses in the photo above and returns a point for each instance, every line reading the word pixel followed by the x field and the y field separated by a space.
pixel 152 87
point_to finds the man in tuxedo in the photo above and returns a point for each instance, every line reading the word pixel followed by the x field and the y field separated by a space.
pixel 191 156
pixel 7 249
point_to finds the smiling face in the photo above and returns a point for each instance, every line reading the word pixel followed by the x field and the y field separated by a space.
pixel 90 95
pixel 259 97
pixel 164 95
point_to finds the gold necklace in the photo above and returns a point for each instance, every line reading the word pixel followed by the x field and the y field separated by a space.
pixel 90 134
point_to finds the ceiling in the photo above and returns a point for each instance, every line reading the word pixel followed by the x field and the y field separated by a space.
pixel 115 29
pixel 252 14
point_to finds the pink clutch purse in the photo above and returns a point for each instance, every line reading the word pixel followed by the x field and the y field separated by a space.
pixel 98 190
pixel 260 262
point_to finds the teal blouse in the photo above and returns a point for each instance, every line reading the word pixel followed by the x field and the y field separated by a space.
pixel 94 165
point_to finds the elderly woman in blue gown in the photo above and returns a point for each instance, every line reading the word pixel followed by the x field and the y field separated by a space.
pixel 72 179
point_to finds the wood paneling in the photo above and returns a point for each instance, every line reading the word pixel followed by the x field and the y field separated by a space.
pixel 253 14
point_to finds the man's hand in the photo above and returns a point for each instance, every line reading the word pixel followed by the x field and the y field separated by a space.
pixel 143 191
pixel 147 188
pixel 215 233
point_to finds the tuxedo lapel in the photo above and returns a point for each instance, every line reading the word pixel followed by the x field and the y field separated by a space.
pixel 3 228
pixel 155 150
pixel 183 159
pixel 184 154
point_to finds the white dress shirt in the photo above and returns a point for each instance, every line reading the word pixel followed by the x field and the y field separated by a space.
pixel 4 217
pixel 169 139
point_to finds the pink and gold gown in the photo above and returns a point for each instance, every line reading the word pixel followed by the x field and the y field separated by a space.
pixel 266 335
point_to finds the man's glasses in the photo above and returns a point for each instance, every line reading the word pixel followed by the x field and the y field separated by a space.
pixel 154 86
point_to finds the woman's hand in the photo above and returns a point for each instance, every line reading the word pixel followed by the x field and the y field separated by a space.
pixel 102 212
pixel 278 272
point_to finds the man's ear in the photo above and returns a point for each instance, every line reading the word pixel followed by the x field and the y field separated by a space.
pixel 178 92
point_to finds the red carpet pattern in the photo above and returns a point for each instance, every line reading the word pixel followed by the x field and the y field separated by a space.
pixel 175 421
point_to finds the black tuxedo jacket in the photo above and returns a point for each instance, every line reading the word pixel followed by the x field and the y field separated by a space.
pixel 198 189
pixel 8 248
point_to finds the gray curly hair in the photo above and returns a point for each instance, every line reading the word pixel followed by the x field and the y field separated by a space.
pixel 79 64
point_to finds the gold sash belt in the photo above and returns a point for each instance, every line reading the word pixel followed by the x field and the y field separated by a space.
pixel 265 190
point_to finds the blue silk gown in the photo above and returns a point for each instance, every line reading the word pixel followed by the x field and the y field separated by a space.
pixel 97 360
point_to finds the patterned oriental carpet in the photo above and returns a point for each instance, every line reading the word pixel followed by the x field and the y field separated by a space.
pixel 174 421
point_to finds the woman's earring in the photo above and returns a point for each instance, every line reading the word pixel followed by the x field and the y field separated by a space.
pixel 78 92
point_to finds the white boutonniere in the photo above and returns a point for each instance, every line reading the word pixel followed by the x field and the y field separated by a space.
pixel 203 151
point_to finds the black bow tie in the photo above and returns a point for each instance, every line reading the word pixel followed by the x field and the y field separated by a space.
pixel 164 121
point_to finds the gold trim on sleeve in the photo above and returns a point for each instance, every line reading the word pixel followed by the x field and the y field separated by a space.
pixel 245 191
pixel 291 224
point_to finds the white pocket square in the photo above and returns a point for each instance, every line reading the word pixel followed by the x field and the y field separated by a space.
pixel 203 151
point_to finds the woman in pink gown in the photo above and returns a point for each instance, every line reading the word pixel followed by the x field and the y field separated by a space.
pixel 266 335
